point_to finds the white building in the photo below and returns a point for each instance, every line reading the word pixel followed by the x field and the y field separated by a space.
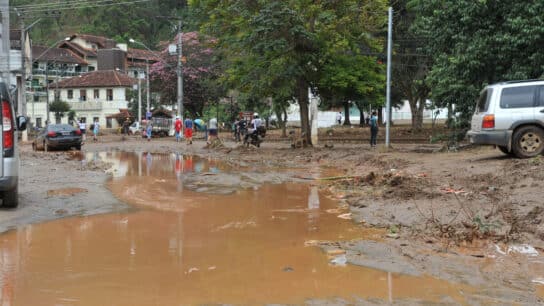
pixel 93 96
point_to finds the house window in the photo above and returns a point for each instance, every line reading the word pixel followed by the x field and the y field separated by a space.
pixel 57 95
pixel 109 94
pixel 38 122
pixel 36 98
pixel 108 123
pixel 70 94
pixel 91 68
pixel 96 94
pixel 83 95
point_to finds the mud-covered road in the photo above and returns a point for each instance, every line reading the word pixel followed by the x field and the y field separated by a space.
pixel 470 219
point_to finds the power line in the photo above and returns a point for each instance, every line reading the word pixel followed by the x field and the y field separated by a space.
pixel 81 6
pixel 60 4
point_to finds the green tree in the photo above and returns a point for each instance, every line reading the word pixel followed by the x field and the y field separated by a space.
pixel 59 108
pixel 474 43
pixel 282 45
pixel 71 115
pixel 119 21
pixel 349 78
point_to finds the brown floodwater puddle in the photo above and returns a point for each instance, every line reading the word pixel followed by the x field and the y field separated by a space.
pixel 185 247
pixel 540 291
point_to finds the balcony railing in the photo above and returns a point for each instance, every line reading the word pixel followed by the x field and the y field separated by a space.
pixel 85 106
pixel 55 72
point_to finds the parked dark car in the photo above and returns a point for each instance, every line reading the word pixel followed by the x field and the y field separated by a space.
pixel 57 136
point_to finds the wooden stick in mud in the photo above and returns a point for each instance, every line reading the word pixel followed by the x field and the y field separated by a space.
pixel 334 178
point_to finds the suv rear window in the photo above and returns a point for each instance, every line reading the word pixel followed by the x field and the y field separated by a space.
pixel 518 97
pixel 483 100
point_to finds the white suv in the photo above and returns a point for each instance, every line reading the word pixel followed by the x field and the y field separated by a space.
pixel 510 115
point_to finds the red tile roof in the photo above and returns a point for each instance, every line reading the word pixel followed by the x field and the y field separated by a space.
pixel 59 55
pixel 100 78
pixel 141 54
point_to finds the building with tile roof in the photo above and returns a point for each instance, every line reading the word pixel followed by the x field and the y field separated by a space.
pixel 96 95
pixel 98 90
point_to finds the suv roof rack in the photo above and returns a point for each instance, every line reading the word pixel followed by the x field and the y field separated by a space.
pixel 521 81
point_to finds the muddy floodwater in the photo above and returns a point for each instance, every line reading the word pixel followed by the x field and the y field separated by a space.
pixel 201 232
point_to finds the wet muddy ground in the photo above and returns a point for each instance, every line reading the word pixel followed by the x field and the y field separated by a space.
pixel 183 224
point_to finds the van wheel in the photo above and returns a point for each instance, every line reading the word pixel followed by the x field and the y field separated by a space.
pixel 9 198
pixel 528 142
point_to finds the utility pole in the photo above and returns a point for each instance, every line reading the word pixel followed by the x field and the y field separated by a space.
pixel 47 92
pixel 148 109
pixel 140 100
pixel 180 71
pixel 388 87
pixel 5 48
pixel 21 107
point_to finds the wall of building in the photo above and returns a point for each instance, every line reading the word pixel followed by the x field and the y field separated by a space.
pixel 92 108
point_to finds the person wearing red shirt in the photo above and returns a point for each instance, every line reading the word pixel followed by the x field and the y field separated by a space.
pixel 189 130
pixel 177 127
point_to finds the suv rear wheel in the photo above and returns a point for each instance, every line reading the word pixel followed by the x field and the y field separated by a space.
pixel 504 150
pixel 528 141
pixel 9 198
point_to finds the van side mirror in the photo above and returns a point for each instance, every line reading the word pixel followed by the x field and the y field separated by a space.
pixel 21 123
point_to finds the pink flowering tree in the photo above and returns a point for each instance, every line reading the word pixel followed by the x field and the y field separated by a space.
pixel 201 71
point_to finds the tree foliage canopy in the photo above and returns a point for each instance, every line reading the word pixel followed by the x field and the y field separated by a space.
pixel 282 48
pixel 474 43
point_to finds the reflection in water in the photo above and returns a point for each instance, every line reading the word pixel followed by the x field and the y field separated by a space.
pixel 130 164
pixel 194 248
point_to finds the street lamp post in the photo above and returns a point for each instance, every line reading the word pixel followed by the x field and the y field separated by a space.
pixel 47 75
pixel 148 95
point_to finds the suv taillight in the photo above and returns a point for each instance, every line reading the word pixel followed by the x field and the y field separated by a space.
pixel 8 129
pixel 488 122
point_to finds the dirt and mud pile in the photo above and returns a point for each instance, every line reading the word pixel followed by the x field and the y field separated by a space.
pixel 434 197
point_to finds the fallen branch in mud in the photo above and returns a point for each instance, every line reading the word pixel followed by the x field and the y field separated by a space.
pixel 470 227
pixel 335 178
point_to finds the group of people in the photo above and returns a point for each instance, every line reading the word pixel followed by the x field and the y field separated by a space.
pixel 242 128
pixel 188 126
pixel 95 128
